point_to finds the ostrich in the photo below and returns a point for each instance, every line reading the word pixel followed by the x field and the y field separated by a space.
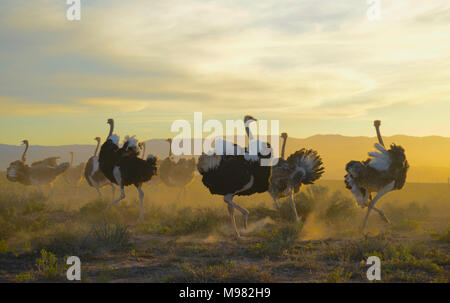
pixel 74 175
pixel 287 176
pixel 52 161
pixel 94 175
pixel 237 174
pixel 39 173
pixel 177 174
pixel 123 167
pixel 383 172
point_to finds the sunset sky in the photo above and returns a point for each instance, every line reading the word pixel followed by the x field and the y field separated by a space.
pixel 320 67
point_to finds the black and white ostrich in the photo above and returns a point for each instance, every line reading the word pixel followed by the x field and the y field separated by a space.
pixel 94 176
pixel 237 174
pixel 177 174
pixel 300 168
pixel 383 172
pixel 123 167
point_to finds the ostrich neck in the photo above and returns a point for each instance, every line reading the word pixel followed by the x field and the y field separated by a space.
pixel 24 155
pixel 71 159
pixel 111 129
pixel 249 133
pixel 380 139
pixel 96 149
pixel 143 152
pixel 170 148
pixel 283 148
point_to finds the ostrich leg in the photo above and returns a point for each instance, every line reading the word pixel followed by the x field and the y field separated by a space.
pixel 40 189
pixel 275 202
pixel 51 192
pixel 141 202
pixel 383 216
pixel 233 219
pixel 229 199
pixel 122 196
pixel 293 205
pixel 118 177
pixel 113 188
pixel 100 193
pixel 381 193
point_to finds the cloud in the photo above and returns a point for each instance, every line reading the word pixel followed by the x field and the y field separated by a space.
pixel 13 107
pixel 292 58
pixel 117 104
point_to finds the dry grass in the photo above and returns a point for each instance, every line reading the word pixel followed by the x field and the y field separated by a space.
pixel 192 241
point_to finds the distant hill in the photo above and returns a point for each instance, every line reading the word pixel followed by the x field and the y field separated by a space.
pixel 429 157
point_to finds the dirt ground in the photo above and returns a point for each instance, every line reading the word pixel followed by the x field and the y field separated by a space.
pixel 191 240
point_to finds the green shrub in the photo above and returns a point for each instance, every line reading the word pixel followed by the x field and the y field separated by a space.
pixel 47 268
pixel 110 236
pixel 338 275
pixel 413 211
pixel 279 240
pixel 201 220
pixel 341 210
pixel 444 236
pixel 407 225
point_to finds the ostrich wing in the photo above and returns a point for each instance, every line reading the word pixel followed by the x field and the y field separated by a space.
pixel 52 162
pixel 224 147
pixel 46 174
pixel 381 161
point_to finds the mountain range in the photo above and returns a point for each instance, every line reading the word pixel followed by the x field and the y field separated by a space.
pixel 429 157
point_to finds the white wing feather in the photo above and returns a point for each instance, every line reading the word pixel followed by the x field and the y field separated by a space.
pixel 381 161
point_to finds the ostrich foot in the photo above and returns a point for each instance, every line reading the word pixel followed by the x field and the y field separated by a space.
pixel 245 218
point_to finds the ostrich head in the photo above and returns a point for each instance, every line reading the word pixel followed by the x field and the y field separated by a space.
pixel 98 139
pixel 377 123
pixel 25 142
pixel 249 119
pixel 284 136
pixel 110 121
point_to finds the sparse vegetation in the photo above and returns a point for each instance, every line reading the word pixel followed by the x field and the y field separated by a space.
pixel 277 241
pixel 110 236
pixel 222 272
pixel 47 268
pixel 444 236
pixel 408 225
pixel 341 210
pixel 191 242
